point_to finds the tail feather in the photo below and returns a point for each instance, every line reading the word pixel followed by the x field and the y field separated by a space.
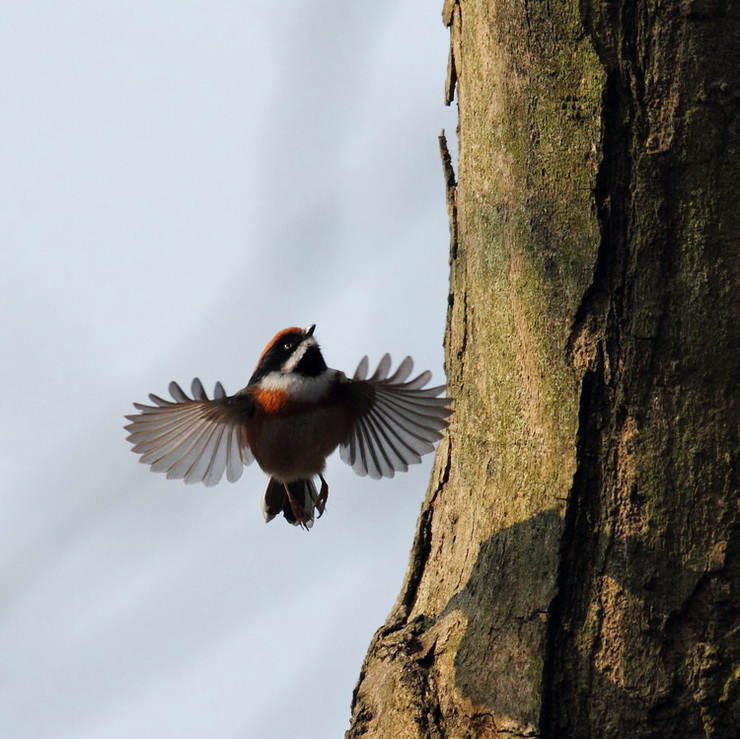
pixel 275 501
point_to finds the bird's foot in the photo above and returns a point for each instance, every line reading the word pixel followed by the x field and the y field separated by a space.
pixel 301 516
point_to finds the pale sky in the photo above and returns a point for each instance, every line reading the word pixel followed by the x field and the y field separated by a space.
pixel 179 181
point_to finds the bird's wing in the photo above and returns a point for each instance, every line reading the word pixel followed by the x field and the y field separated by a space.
pixel 193 439
pixel 397 421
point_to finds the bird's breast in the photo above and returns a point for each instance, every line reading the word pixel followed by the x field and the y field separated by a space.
pixel 295 445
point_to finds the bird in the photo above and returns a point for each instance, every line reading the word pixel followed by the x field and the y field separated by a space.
pixel 294 412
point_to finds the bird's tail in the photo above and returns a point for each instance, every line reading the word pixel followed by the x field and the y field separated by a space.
pixel 298 507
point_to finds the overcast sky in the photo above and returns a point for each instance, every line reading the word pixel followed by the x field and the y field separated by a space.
pixel 179 181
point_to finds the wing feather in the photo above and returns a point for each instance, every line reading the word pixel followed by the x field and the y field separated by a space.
pixel 193 439
pixel 361 371
pixel 236 456
pixel 403 371
pixel 198 391
pixel 399 422
pixel 177 393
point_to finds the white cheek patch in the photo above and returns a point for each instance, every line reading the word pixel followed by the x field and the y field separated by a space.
pixel 299 388
pixel 299 353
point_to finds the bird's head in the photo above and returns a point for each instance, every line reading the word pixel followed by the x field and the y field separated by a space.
pixel 292 352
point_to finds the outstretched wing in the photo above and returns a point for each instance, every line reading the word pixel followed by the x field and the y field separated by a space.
pixel 193 439
pixel 398 420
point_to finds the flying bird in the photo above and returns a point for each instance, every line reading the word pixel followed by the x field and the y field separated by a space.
pixel 294 412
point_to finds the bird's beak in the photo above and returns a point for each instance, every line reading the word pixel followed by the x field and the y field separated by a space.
pixel 309 331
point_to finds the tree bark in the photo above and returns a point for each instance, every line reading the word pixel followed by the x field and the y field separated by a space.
pixel 576 568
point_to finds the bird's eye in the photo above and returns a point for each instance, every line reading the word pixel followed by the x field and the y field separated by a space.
pixel 288 345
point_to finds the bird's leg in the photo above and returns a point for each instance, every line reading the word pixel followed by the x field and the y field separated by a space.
pixel 298 512
pixel 323 496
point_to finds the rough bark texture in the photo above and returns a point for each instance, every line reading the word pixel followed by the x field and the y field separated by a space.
pixel 576 569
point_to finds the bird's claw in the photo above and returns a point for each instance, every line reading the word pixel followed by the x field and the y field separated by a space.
pixel 323 497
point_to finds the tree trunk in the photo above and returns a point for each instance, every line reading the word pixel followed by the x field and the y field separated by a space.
pixel 576 569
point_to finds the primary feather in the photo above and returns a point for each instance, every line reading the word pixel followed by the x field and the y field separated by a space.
pixel 192 439
pixel 401 421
